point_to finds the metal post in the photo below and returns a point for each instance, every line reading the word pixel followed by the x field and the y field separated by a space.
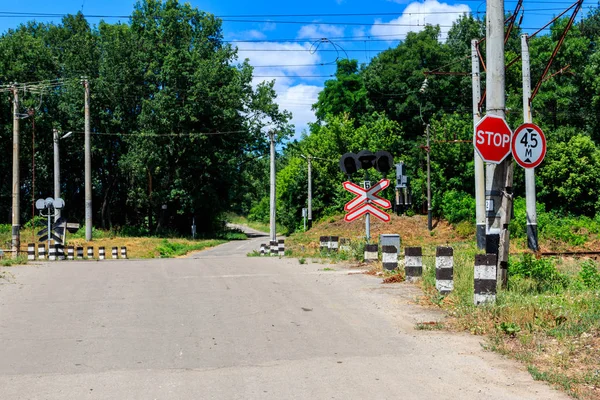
pixel 88 165
pixel 309 158
pixel 49 228
pixel 56 171
pixel 273 231
pixel 368 215
pixel 498 178
pixel 479 165
pixel 429 222
pixel 16 185
pixel 532 237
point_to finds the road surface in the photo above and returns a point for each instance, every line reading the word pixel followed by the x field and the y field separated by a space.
pixel 224 326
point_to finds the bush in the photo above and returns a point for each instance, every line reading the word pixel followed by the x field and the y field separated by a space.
pixel 589 274
pixel 540 275
pixel 458 206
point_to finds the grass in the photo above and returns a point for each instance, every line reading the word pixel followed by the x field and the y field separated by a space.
pixel 257 225
pixel 169 248
pixel 7 261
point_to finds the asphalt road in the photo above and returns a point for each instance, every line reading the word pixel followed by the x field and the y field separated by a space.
pixel 225 326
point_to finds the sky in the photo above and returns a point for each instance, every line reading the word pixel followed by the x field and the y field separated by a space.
pixel 297 43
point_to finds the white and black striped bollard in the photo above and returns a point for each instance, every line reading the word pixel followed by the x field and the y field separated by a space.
pixel 80 253
pixel 371 252
pixel 273 245
pixel 281 247
pixel 101 253
pixel 60 251
pixel 115 253
pixel 485 278
pixel 52 252
pixel 334 243
pixel 344 244
pixel 324 243
pixel 124 252
pixel 444 269
pixel 263 249
pixel 90 252
pixel 41 251
pixel 31 251
pixel 71 252
pixel 413 263
pixel 389 257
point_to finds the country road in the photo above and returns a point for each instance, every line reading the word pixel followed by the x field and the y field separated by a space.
pixel 219 325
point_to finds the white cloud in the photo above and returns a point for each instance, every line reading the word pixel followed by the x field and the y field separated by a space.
pixel 298 99
pixel 416 15
pixel 320 31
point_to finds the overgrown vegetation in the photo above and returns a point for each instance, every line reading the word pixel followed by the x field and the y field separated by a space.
pixel 169 249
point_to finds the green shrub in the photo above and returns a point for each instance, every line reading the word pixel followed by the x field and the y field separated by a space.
pixel 542 274
pixel 458 206
pixel 589 274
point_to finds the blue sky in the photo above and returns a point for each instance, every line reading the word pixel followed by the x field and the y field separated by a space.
pixel 286 48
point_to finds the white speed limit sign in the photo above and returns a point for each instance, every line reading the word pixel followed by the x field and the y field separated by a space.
pixel 528 145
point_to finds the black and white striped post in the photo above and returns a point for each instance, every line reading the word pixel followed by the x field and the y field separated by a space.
pixel 90 252
pixel 389 257
pixel 41 251
pixel 485 278
pixel 413 263
pixel 263 249
pixel 371 252
pixel 52 252
pixel 124 252
pixel 344 244
pixel 324 243
pixel 444 269
pixel 79 253
pixel 281 247
pixel 115 253
pixel 31 251
pixel 71 252
pixel 273 244
pixel 60 252
pixel 334 243
pixel 101 253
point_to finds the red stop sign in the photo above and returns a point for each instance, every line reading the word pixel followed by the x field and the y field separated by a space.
pixel 492 139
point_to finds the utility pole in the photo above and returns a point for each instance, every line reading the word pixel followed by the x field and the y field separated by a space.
pixel 429 222
pixel 309 160
pixel 479 165
pixel 88 164
pixel 273 229
pixel 56 171
pixel 498 177
pixel 16 179
pixel 532 236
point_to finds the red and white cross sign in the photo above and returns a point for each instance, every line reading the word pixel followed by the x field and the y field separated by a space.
pixel 364 200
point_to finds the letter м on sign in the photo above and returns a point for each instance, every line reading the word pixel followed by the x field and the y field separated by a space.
pixel 492 139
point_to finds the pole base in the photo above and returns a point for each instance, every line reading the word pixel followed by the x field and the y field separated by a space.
pixel 532 237
pixel 492 243
pixel 480 236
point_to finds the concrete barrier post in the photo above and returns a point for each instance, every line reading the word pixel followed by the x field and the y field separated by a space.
pixel 124 252
pixel 79 253
pixel 371 252
pixel 263 249
pixel 90 252
pixel 101 253
pixel 273 244
pixel 115 253
pixel 389 257
pixel 334 243
pixel 485 279
pixel 344 244
pixel 41 251
pixel 52 252
pixel 281 247
pixel 413 263
pixel 31 251
pixel 324 243
pixel 71 252
pixel 444 269
pixel 60 251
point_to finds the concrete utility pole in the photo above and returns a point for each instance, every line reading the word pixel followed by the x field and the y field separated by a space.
pixel 88 165
pixel 56 170
pixel 273 229
pixel 498 177
pixel 429 221
pixel 479 166
pixel 16 179
pixel 309 211
pixel 532 236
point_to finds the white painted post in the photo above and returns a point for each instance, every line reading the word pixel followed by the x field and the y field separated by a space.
pixel 485 278
pixel 413 263
pixel 444 269
pixel 389 257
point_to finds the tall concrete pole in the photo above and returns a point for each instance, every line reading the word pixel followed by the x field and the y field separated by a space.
pixel 479 166
pixel 273 229
pixel 498 177
pixel 309 160
pixel 56 170
pixel 532 236
pixel 88 165
pixel 429 216
pixel 16 185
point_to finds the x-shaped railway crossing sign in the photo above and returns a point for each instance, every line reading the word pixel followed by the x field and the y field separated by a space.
pixel 364 200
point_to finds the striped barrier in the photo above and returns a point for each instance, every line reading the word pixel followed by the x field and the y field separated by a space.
pixel 281 247
pixel 334 243
pixel 90 253
pixel 371 252
pixel 324 243
pixel 31 251
pixel 52 253
pixel 71 252
pixel 41 251
pixel 79 253
pixel 485 278
pixel 274 248
pixel 115 253
pixel 444 269
pixel 389 257
pixel 60 252
pixel 413 263
pixel 101 253
pixel 124 252
pixel 344 244
pixel 263 249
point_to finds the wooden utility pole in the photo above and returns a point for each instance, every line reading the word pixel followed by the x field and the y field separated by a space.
pixel 16 185
pixel 88 164
pixel 498 177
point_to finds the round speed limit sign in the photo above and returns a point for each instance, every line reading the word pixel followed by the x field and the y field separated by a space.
pixel 528 145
